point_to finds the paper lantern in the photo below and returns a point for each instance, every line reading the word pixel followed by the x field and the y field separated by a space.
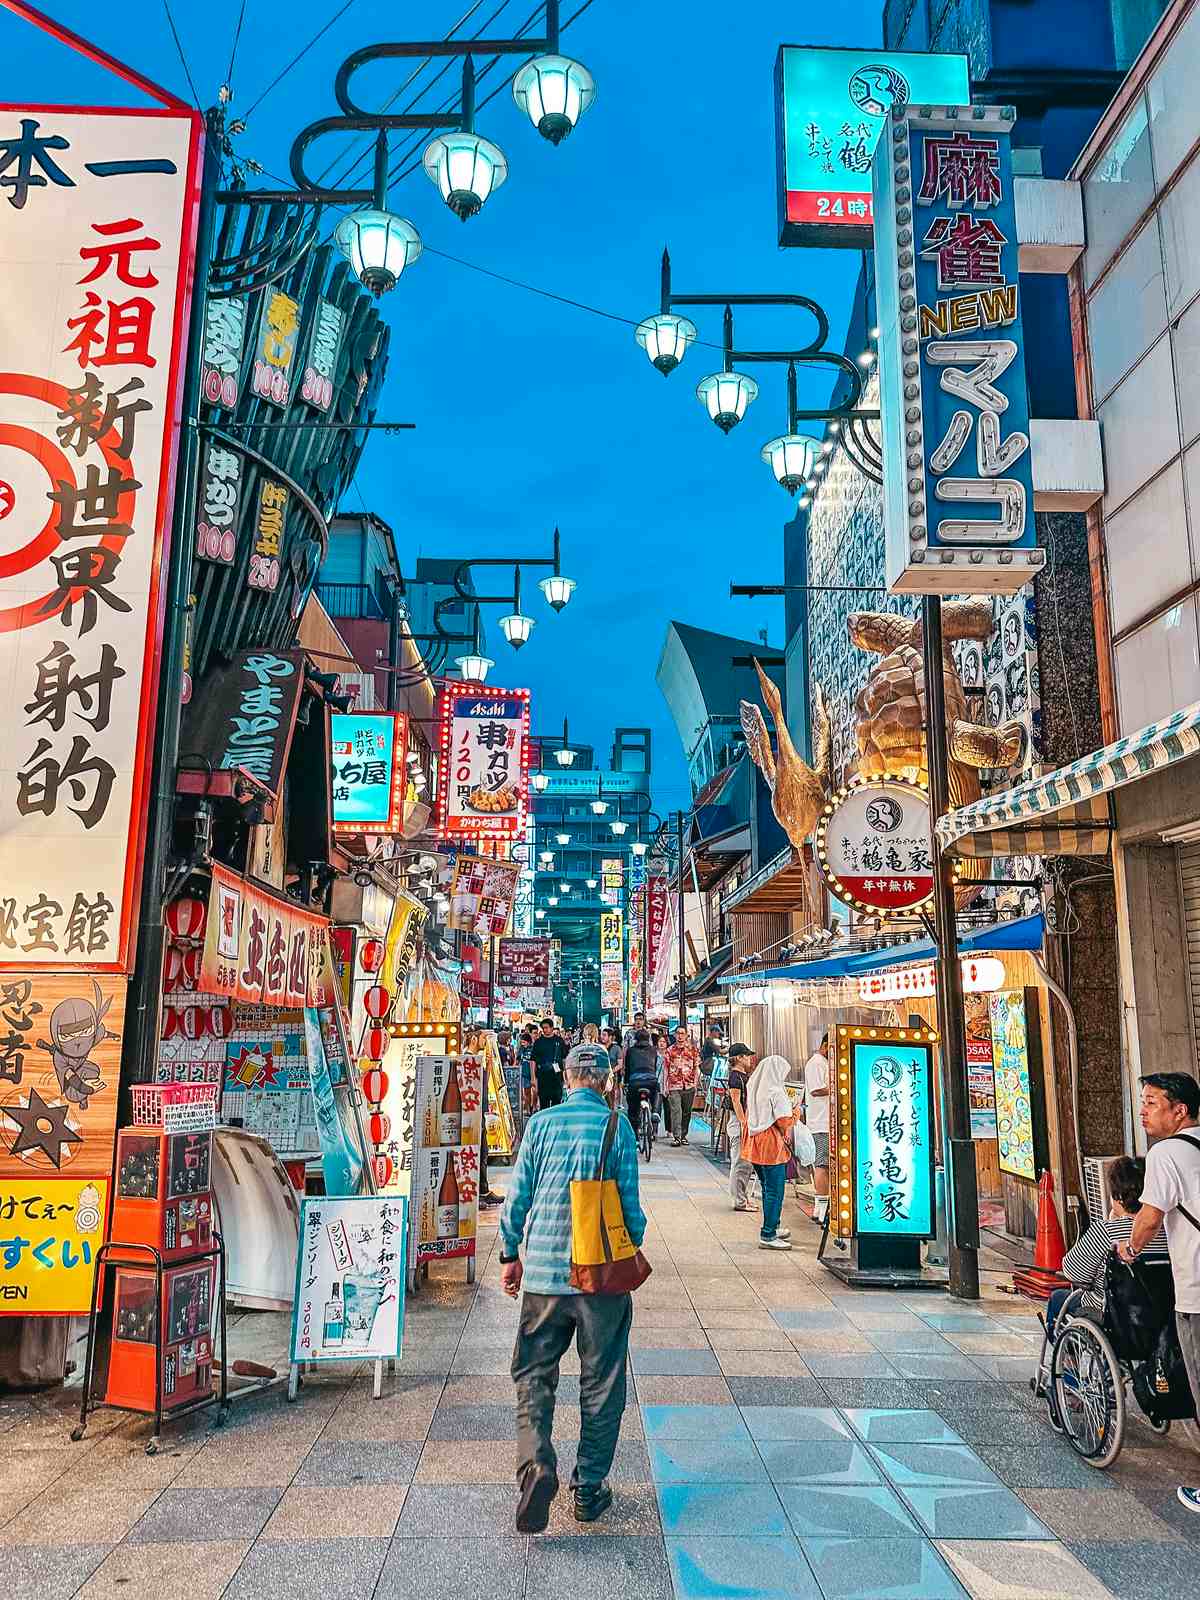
pixel 170 1022
pixel 384 1167
pixel 173 967
pixel 193 1022
pixel 370 954
pixel 375 1085
pixel 220 1022
pixel 186 917
pixel 376 1001
pixel 374 1043
pixel 191 967
pixel 379 1127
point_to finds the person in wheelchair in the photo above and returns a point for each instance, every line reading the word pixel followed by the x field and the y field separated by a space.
pixel 1084 1262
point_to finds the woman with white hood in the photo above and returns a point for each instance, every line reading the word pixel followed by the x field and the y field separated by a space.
pixel 769 1119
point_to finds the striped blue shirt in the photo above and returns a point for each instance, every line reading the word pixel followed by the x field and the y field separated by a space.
pixel 561 1144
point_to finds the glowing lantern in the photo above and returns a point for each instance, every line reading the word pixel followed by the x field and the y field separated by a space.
pixel 375 1043
pixel 186 917
pixel 375 1085
pixel 379 1127
pixel 376 1002
pixel 370 954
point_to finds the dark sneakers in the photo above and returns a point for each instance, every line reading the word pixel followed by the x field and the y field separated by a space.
pixel 533 1508
pixel 592 1503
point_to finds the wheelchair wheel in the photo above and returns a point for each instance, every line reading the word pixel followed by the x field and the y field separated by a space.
pixel 1089 1391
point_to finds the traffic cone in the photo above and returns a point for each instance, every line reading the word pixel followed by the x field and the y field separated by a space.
pixel 1046 1274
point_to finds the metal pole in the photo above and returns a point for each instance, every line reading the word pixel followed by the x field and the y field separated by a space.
pixel 142 1013
pixel 682 920
pixel 491 979
pixel 962 1192
pixel 646 939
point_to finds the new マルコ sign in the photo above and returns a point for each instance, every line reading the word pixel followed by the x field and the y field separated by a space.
pixel 830 107
pixel 958 475
pixel 874 845
pixel 97 237
pixel 483 771
pixel 524 963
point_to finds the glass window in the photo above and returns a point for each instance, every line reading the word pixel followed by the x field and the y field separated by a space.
pixel 1139 426
pixel 1180 214
pixel 1185 338
pixel 1128 311
pixel 1147 546
pixel 1172 95
pixel 1158 668
pixel 1120 188
pixel 1133 23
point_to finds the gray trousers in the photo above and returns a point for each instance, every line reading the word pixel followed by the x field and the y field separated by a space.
pixel 1188 1325
pixel 599 1324
pixel 740 1172
pixel 681 1101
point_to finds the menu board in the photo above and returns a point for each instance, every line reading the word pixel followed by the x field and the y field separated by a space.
pixel 1014 1113
pixel 349 1303
pixel 445 1171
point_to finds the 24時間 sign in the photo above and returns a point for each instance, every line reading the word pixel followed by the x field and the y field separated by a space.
pixel 483 779
pixel 830 107
pixel 97 236
pixel 958 475
pixel 368 770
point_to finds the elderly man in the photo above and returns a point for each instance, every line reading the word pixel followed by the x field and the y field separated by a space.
pixel 561 1145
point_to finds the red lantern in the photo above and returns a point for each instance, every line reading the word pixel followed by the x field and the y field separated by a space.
pixel 376 1002
pixel 174 966
pixel 193 1022
pixel 384 1167
pixel 220 1022
pixel 379 1127
pixel 170 1022
pixel 191 967
pixel 186 917
pixel 375 1043
pixel 370 953
pixel 375 1085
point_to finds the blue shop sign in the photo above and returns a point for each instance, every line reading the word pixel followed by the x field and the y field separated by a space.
pixel 893 1138
pixel 367 770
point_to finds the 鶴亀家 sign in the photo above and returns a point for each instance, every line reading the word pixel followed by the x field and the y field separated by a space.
pixel 830 106
pixel 97 238
pixel 484 766
pixel 369 749
pixel 882 1133
pixel 874 846
pixel 958 473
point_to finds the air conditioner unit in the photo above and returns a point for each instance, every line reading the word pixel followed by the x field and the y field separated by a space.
pixel 1095 1186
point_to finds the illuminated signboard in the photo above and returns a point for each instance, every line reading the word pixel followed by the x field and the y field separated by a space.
pixel 830 107
pixel 882 1133
pixel 483 782
pixel 873 845
pixel 611 942
pixel 1014 1101
pixel 958 474
pixel 368 770
pixel 980 975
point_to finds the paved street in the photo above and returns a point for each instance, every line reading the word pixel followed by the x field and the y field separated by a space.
pixel 790 1439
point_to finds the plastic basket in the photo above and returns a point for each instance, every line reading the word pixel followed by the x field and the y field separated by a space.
pixel 153 1103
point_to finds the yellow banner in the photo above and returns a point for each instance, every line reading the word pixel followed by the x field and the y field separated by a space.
pixel 50 1231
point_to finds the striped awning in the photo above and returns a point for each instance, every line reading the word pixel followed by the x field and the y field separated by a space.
pixel 1067 812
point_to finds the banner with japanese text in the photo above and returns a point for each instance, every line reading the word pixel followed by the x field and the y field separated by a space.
pixel 97 238
pixel 482 895
pixel 524 963
pixel 262 949
pixel 612 946
pixel 483 781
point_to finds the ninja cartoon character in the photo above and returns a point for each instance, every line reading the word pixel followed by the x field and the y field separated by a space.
pixel 76 1028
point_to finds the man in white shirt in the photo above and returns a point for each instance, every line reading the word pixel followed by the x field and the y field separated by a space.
pixel 816 1117
pixel 1171 1193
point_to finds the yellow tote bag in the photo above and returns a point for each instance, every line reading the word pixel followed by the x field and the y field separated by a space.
pixel 604 1259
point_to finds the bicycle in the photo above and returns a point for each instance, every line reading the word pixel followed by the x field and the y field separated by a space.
pixel 645 1129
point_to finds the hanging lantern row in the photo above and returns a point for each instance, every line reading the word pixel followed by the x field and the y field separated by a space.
pixel 182 967
pixel 186 919
pixel 193 1022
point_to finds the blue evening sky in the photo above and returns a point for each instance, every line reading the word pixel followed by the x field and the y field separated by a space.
pixel 531 412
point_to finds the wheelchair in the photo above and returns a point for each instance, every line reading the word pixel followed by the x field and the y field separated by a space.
pixel 1086 1380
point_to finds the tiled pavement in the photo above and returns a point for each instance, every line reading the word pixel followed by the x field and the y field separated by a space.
pixel 792 1440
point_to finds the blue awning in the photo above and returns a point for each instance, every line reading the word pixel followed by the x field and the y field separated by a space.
pixel 1024 933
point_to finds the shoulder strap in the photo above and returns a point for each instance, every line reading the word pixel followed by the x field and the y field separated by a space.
pixel 610 1133
pixel 1186 1138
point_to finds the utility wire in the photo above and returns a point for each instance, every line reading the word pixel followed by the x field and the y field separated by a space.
pixel 237 37
pixel 183 59
pixel 299 56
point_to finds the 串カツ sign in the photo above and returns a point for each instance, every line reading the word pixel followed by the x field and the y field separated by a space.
pixel 97 238
pixel 483 776
pixel 874 846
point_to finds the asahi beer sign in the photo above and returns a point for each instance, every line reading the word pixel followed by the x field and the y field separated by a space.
pixel 958 475
pixel 483 777
pixel 874 846
pixel 97 222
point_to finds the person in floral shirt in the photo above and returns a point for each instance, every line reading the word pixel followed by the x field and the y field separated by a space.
pixel 682 1074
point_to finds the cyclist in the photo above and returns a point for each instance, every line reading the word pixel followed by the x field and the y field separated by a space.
pixel 641 1075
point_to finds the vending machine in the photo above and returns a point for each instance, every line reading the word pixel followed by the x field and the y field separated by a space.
pixel 163 1191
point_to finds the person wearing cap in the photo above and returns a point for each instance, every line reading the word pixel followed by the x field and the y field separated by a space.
pixel 563 1144
pixel 742 1062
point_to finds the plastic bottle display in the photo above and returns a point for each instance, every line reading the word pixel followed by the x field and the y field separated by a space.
pixel 448 1203
pixel 450 1116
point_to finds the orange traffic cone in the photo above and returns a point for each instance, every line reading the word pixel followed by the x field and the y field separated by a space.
pixel 1046 1273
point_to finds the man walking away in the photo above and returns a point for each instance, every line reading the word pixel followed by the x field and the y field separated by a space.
pixel 641 1073
pixel 816 1117
pixel 549 1052
pixel 770 1118
pixel 1169 1111
pixel 563 1145
pixel 742 1062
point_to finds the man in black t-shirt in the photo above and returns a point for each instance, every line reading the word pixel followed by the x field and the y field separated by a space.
pixel 742 1062
pixel 548 1054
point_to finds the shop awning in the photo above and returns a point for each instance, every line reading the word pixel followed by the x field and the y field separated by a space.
pixel 1023 933
pixel 779 886
pixel 1066 812
pixel 706 979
